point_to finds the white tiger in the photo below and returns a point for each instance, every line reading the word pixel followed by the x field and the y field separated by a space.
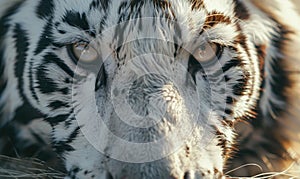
pixel 151 88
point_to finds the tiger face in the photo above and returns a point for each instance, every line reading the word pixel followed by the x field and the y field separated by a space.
pixel 138 89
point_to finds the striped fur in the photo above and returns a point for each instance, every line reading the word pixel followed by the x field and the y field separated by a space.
pixel 241 109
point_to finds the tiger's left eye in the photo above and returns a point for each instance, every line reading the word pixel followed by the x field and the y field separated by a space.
pixel 207 52
pixel 83 52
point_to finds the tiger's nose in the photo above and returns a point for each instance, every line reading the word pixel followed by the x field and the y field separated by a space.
pixel 149 95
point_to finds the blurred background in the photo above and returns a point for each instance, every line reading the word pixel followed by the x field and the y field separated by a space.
pixel 297 2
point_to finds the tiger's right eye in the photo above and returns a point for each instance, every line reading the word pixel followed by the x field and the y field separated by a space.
pixel 83 52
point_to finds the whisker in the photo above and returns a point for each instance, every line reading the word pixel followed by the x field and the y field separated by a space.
pixel 267 174
pixel 31 168
pixel 243 166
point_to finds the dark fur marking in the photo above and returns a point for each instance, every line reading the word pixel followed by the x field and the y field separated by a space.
pixel 73 172
pixel 166 6
pixel 58 104
pixel 73 135
pixel 3 81
pixel 228 111
pixel 26 113
pixel 52 58
pixel 241 11
pixel 78 20
pixel 230 100
pixel 230 64
pixel 64 146
pixel 240 87
pixel 215 18
pixel 222 142
pixel 45 84
pixel 65 91
pixel 122 7
pixel 45 39
pixel 103 4
pixel 4 21
pixel 32 89
pixel 197 4
pixel 57 119
pixel 21 43
pixel 45 9
pixel 135 9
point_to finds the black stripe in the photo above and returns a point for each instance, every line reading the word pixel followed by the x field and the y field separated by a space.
pixel 76 19
pixel 166 7
pixel 58 104
pixel 45 9
pixel 228 111
pixel 197 4
pixel 57 119
pixel 102 24
pixel 64 146
pixel 65 91
pixel 45 39
pixel 21 43
pixel 3 81
pixel 240 87
pixel 135 9
pixel 4 25
pixel 52 58
pixel 215 18
pixel 230 64
pixel 26 113
pixel 230 100
pixel 3 84
pixel 45 84
pixel 73 136
pixel 103 4
pixel 241 10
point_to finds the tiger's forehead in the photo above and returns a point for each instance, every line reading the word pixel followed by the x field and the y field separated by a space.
pixel 136 19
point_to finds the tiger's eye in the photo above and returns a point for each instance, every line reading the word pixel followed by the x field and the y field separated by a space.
pixel 206 52
pixel 84 52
